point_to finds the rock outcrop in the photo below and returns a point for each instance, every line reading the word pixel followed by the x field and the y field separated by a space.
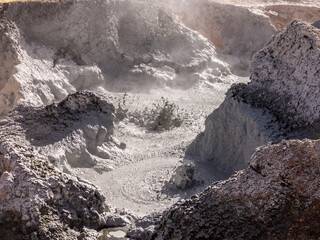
pixel 59 60
pixel 280 102
pixel 37 200
pixel 276 197
pixel 75 133
pixel 286 73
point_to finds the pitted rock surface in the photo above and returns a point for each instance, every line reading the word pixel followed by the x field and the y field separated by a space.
pixel 285 73
pixel 277 196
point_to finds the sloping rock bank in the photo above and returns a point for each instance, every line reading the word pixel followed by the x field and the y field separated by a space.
pixel 280 102
pixel 276 197
pixel 225 24
pixel 37 200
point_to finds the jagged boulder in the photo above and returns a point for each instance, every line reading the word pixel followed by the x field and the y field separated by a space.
pixel 182 177
pixel 286 73
pixel 277 196
pixel 280 102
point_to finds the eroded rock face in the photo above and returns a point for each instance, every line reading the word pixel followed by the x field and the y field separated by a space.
pixel 38 200
pixel 281 15
pixel 9 87
pixel 241 28
pixel 232 133
pixel 235 30
pixel 280 102
pixel 277 196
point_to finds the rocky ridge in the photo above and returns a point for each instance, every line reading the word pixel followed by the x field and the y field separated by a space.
pixel 75 133
pixel 276 196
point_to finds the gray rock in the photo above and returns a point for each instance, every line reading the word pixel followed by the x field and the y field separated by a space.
pixel 316 24
pixel 232 133
pixel 285 71
pixel 183 176
pixel 144 228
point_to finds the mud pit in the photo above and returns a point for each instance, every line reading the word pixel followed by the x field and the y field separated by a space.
pixel 149 54
pixel 139 52
pixel 150 158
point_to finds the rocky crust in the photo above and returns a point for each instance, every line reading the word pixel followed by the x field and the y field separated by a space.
pixel 276 197
pixel 280 102
pixel 286 73
pixel 37 200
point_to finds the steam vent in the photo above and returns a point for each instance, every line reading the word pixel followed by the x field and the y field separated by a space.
pixel 159 120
